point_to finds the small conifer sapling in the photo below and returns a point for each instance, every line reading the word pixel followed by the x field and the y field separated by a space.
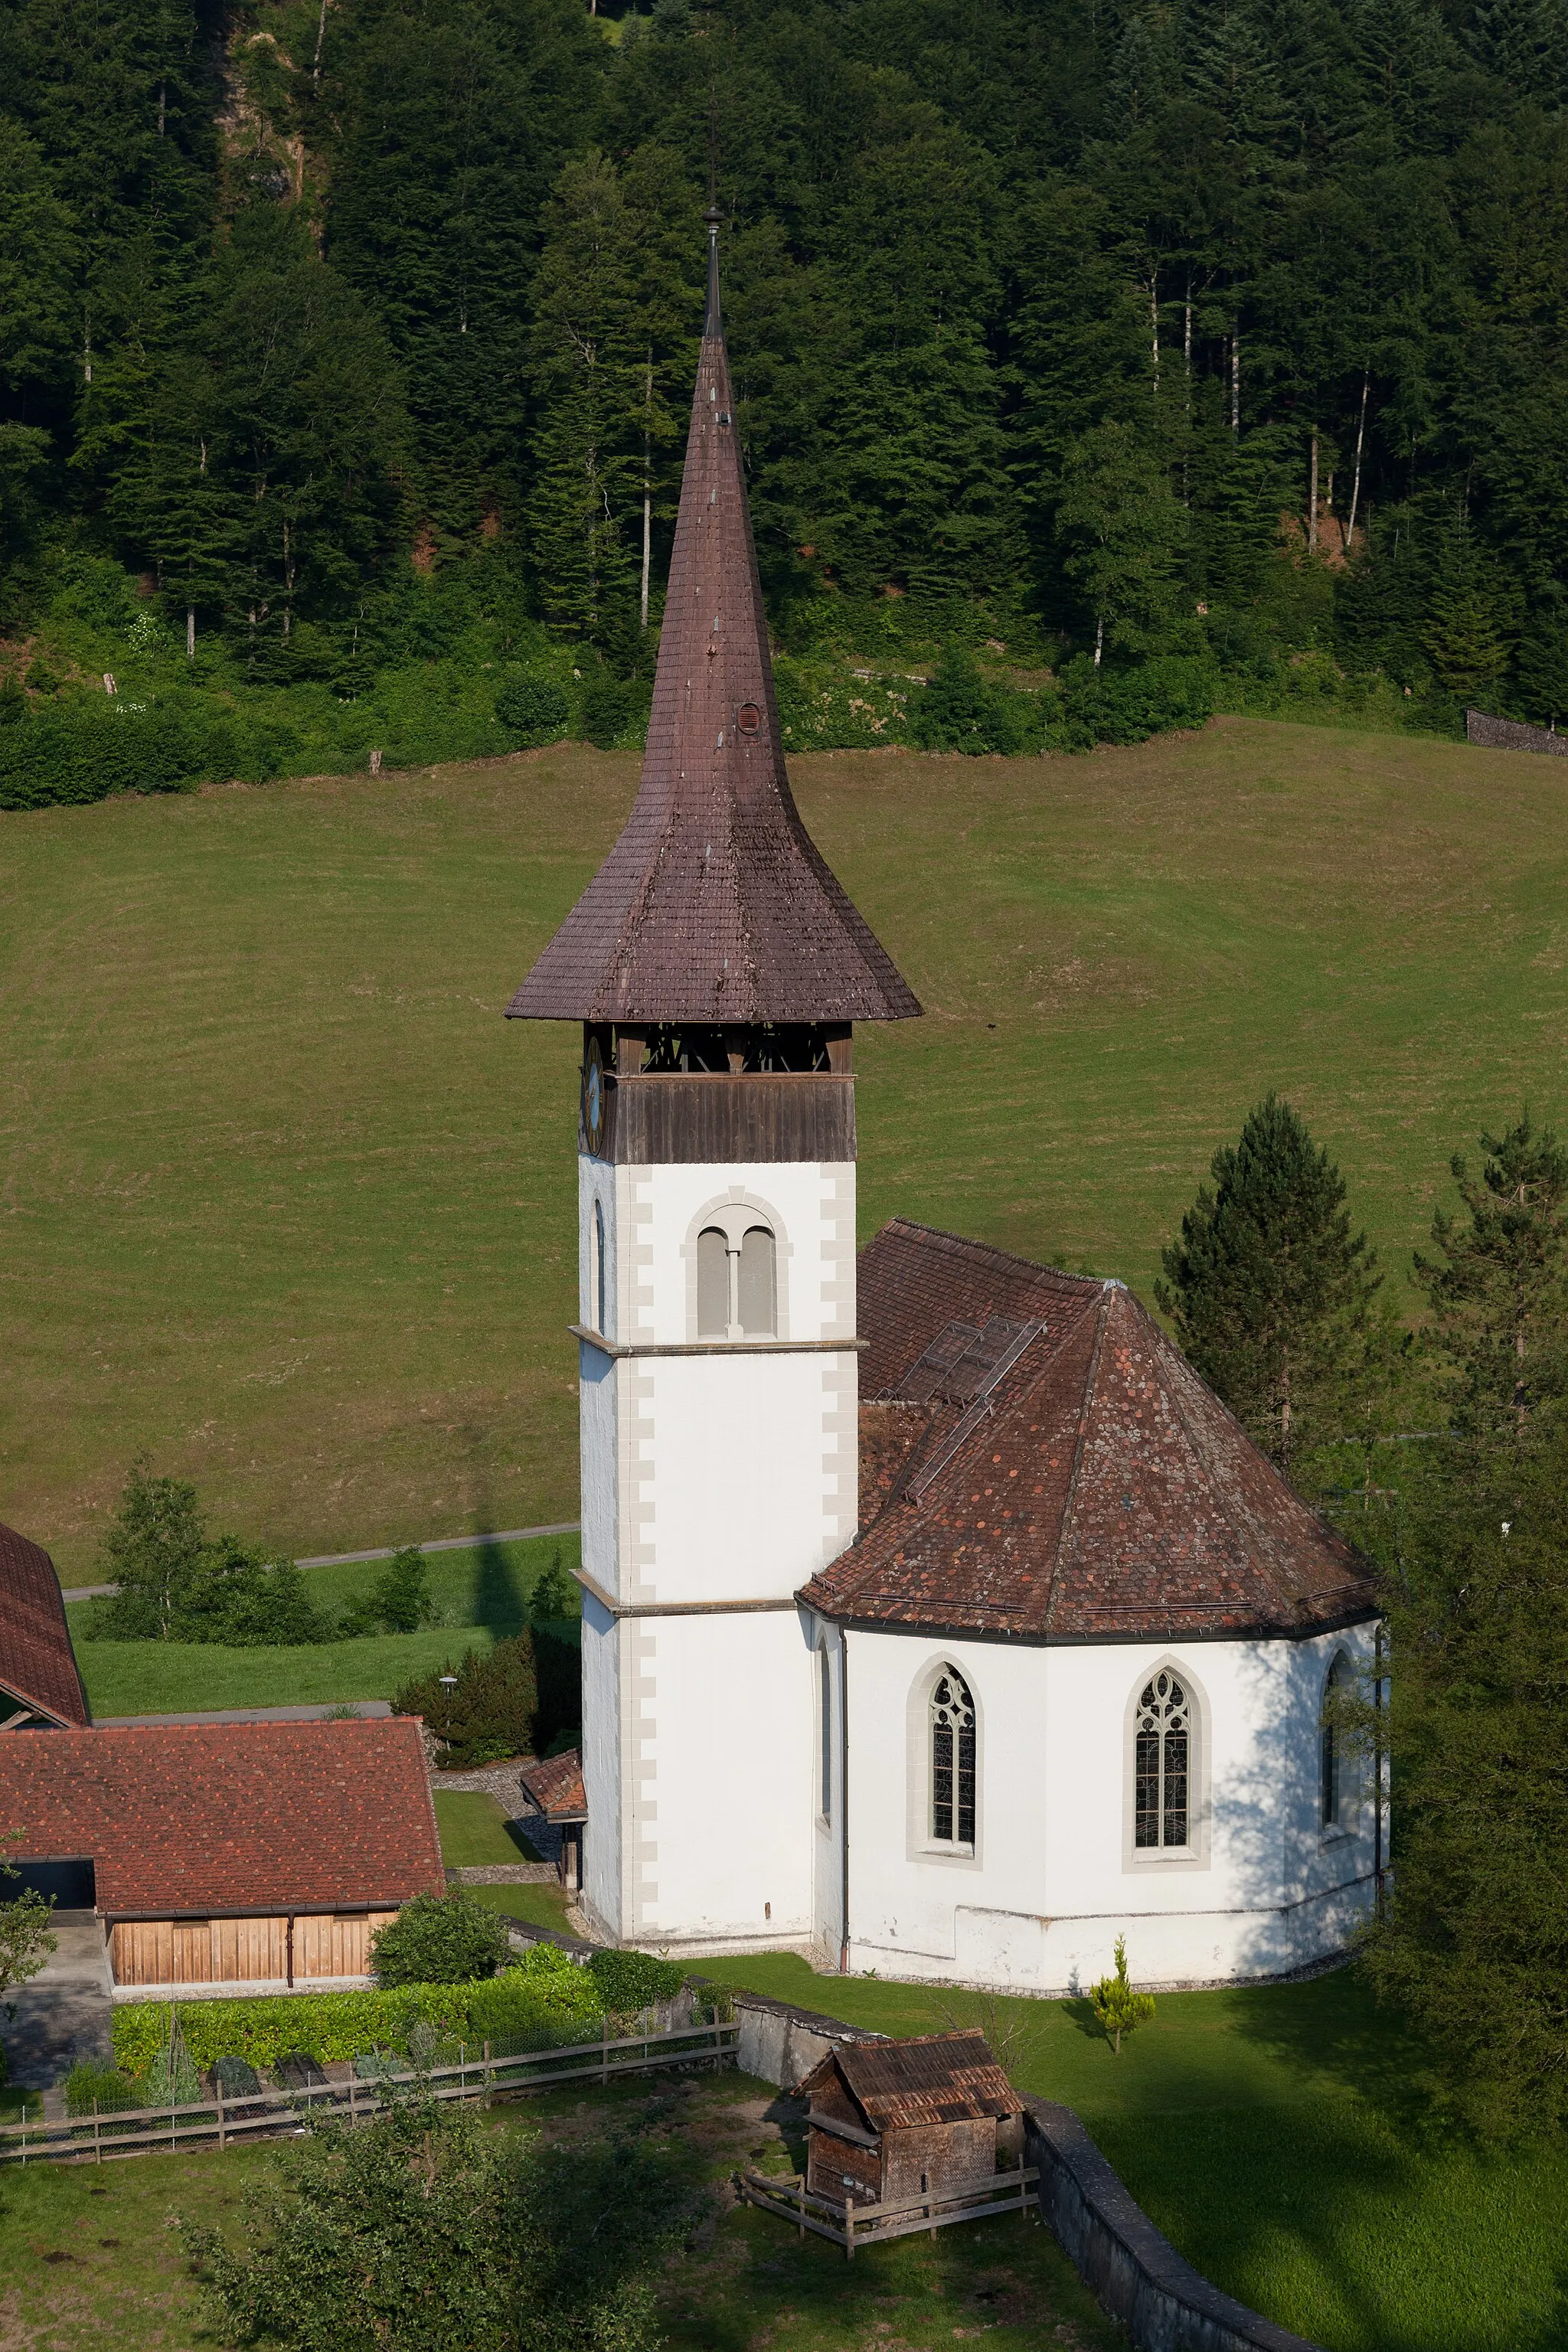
pixel 1116 2005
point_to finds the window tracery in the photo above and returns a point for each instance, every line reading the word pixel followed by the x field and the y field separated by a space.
pixel 737 1282
pixel 952 1760
pixel 1162 1763
pixel 1332 1761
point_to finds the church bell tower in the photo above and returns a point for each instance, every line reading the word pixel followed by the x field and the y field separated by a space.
pixel 717 970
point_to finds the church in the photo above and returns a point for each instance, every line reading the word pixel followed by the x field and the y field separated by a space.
pixel 937 1620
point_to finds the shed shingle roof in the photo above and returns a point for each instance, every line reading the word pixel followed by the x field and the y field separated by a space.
pixel 37 1663
pixel 555 1785
pixel 202 1818
pixel 932 2078
pixel 1091 1489
pixel 715 905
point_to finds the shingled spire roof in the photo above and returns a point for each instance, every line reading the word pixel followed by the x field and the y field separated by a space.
pixel 715 904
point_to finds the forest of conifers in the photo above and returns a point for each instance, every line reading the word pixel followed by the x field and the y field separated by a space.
pixel 343 337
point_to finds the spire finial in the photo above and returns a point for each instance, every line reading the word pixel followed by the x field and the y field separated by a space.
pixel 713 325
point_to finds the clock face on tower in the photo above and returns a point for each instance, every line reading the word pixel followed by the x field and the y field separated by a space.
pixel 594 1097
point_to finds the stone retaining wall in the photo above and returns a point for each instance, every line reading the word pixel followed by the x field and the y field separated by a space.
pixel 1508 735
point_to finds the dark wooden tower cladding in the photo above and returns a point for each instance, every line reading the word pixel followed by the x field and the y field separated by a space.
pixel 713 941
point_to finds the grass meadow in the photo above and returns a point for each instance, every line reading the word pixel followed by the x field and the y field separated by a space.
pixel 1272 2133
pixel 288 1204
pixel 479 1596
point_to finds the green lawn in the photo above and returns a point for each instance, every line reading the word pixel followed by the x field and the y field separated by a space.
pixel 475 1829
pixel 291 1206
pixel 1272 2136
pixel 480 1596
pixel 87 2263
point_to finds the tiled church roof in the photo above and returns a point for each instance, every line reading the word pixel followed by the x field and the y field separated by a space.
pixel 715 904
pixel 1039 1460
pixel 38 1664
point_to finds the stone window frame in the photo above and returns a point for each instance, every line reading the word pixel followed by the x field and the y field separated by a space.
pixel 734 1214
pixel 922 1845
pixel 1195 1854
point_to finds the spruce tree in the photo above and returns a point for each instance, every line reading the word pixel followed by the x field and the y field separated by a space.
pixel 1497 1288
pixel 1474 1944
pixel 1265 1284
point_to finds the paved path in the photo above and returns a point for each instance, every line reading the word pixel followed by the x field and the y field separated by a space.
pixel 319 1713
pixel 66 2011
pixel 351 1559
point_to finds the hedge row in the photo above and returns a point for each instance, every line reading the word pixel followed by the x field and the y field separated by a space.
pixel 546 1994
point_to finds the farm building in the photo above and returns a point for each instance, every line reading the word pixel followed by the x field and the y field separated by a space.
pixel 929 2117
pixel 39 1685
pixel 234 1853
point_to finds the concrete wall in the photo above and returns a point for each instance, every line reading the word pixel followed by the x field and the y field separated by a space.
pixel 1054 1876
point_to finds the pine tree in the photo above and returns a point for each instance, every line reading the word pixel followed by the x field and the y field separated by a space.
pixel 1265 1284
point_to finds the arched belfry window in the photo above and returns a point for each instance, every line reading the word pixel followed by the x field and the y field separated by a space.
pixel 1332 1790
pixel 952 1760
pixel 737 1282
pixel 1162 1763
pixel 599 1299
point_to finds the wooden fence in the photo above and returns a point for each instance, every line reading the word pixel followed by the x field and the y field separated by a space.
pixel 218 2120
pixel 847 2224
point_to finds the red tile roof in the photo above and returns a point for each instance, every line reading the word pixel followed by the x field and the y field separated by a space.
pixel 715 905
pixel 929 2078
pixel 1039 1460
pixel 202 1818
pixel 555 1785
pixel 37 1661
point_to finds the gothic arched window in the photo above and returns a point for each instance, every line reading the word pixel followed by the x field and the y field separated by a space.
pixel 1162 1763
pixel 952 1760
pixel 1331 1789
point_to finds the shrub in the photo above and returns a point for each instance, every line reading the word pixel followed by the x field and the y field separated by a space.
pixel 1125 703
pixel 606 710
pixel 439 1939
pixel 541 1997
pixel 631 1981
pixel 544 1989
pixel 490 1712
pixel 94 2082
pixel 530 706
pixel 958 712
pixel 556 1594
pixel 398 1603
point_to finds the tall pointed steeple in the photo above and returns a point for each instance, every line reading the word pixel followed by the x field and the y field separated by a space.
pixel 715 905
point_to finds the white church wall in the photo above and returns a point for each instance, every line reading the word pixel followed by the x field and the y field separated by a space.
pixel 724 1801
pixel 601 1753
pixel 1053 1877
pixel 709 1478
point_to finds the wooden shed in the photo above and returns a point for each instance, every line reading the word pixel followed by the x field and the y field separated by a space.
pixel 256 1854
pixel 553 1787
pixel 930 2117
